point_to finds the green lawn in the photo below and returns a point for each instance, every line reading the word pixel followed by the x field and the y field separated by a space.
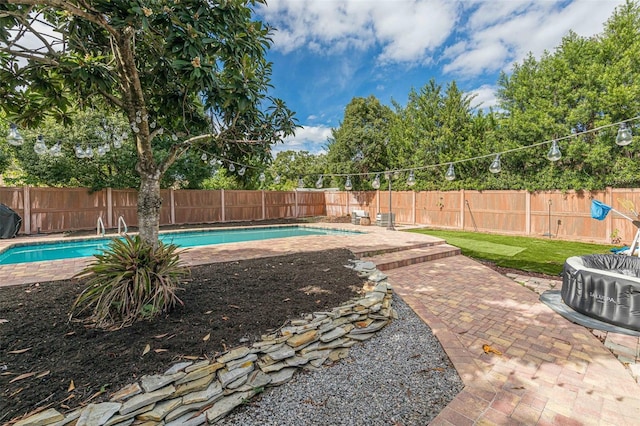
pixel 546 256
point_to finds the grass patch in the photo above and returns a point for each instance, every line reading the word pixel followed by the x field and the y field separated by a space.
pixel 546 256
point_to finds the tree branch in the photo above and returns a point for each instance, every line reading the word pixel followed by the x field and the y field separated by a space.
pixel 93 16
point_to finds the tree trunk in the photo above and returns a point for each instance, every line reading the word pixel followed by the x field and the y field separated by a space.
pixel 149 202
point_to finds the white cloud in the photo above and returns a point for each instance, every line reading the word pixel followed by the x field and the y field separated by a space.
pixel 308 138
pixel 406 30
pixel 500 33
pixel 485 97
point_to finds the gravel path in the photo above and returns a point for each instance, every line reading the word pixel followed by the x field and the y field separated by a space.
pixel 400 377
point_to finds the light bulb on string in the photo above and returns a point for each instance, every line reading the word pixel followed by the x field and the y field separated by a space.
pixel 319 182
pixel 79 151
pixel 411 180
pixel 232 167
pixel 347 184
pixel 100 151
pixel 242 171
pixel 56 150
pixel 88 153
pixel 107 147
pixel 213 161
pixel 624 136
pixel 14 138
pixel 39 147
pixel 495 166
pixel 554 153
pixel 300 182
pixel 276 180
pixel 262 177
pixel 203 157
pixel 451 173
pixel 376 182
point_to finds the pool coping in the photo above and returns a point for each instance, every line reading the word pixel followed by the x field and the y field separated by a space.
pixel 54 270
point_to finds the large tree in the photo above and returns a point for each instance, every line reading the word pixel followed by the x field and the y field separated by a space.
pixel 188 74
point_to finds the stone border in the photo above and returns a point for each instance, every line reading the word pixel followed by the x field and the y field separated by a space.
pixel 196 393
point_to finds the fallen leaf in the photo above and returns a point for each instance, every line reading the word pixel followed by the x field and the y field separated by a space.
pixel 208 312
pixel 3 321
pixel 160 336
pixel 205 338
pixel 22 376
pixel 225 318
pixel 19 351
pixel 146 349
pixel 488 349
pixel 71 333
pixel 42 374
pixel 286 300
pixel 160 350
pixel 71 387
pixel 234 306
pixel 191 357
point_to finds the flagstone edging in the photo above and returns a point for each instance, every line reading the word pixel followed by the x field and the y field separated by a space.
pixel 196 393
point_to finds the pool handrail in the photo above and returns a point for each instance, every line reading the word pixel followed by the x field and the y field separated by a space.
pixel 124 225
pixel 100 226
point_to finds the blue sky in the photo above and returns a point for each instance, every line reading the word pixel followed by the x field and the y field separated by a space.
pixel 326 52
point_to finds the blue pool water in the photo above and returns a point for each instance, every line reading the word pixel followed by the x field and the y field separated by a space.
pixel 86 248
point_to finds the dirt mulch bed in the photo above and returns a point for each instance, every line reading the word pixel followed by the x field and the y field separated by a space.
pixel 47 361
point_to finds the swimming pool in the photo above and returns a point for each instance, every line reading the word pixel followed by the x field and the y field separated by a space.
pixel 39 252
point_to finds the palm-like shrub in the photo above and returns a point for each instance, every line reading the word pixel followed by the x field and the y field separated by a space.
pixel 130 281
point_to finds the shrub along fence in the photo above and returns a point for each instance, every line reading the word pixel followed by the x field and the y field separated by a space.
pixel 561 214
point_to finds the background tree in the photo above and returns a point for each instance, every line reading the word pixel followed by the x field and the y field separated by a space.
pixel 361 144
pixel 182 74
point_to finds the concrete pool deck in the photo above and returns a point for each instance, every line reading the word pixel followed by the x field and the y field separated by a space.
pixel 549 370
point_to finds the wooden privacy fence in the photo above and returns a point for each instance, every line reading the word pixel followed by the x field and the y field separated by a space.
pixel 66 209
pixel 561 214
pixel 543 214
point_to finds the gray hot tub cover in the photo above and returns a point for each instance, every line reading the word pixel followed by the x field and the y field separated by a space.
pixel 10 222
pixel 604 286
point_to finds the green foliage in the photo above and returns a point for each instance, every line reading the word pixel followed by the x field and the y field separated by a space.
pixel 130 281
pixel 544 256
pixel 290 166
pixel 361 144
pixel 184 76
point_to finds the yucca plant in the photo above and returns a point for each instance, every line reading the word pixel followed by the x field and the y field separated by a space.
pixel 130 281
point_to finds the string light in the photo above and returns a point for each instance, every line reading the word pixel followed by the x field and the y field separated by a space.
pixel 554 153
pixel 451 173
pixel 319 182
pixel 14 138
pixel 624 136
pixel 412 179
pixel 347 184
pixel 495 166
pixel 376 182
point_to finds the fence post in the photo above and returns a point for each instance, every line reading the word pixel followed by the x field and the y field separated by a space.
pixel 296 198
pixel 27 209
pixel 527 208
pixel 172 201
pixel 462 209
pixel 222 215
pixel 264 207
pixel 413 208
pixel 348 203
pixel 109 208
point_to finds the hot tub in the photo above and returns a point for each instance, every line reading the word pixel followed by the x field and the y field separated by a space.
pixel 605 287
